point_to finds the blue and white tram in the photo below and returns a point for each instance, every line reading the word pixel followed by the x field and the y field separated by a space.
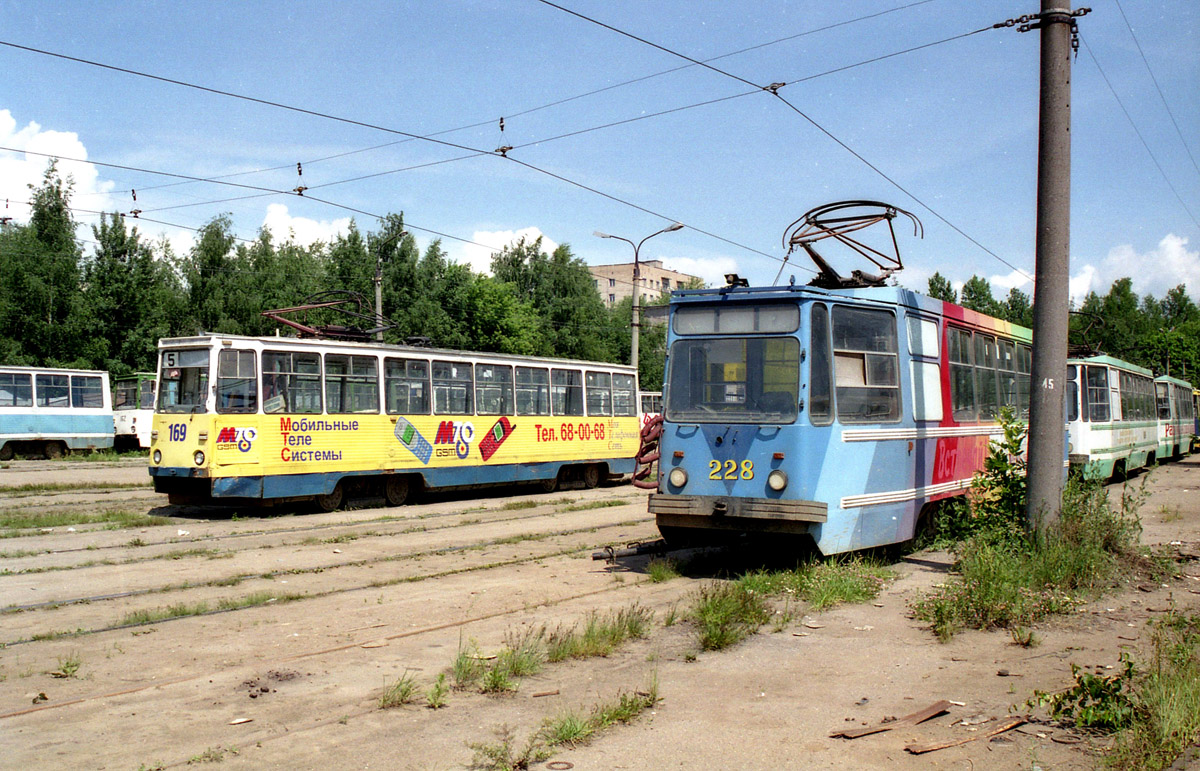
pixel 50 412
pixel 133 409
pixel 841 414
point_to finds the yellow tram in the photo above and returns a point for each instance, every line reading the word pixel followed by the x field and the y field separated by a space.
pixel 271 419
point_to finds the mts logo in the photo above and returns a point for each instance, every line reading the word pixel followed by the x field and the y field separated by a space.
pixel 242 437
pixel 458 433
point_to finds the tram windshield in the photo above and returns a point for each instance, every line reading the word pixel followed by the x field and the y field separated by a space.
pixel 183 382
pixel 740 379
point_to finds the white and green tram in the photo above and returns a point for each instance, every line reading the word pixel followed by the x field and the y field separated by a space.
pixel 1176 416
pixel 1112 416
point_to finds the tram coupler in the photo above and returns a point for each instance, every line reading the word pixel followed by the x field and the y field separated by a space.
pixel 611 553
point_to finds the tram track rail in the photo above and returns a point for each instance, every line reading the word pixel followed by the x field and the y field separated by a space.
pixel 266 531
pixel 227 580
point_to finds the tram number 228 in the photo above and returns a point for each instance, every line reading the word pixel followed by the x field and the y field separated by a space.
pixel 730 469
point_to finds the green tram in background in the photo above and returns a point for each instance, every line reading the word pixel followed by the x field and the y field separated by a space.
pixel 1176 416
pixel 1111 416
pixel 1121 418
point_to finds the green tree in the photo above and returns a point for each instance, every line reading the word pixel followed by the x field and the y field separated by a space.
pixel 41 315
pixel 940 289
pixel 562 292
pixel 977 295
pixel 1017 308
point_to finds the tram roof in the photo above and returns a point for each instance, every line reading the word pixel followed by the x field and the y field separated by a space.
pixel 1172 379
pixel 892 296
pixel 53 370
pixel 1111 361
pixel 305 343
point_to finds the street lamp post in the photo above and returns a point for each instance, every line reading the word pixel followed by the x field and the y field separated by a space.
pixel 637 274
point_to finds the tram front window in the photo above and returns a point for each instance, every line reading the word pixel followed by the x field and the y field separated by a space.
pixel 183 381
pixel 737 379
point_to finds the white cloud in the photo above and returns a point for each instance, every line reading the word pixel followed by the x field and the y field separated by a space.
pixel 480 257
pixel 1154 272
pixel 711 269
pixel 20 169
pixel 1002 283
pixel 302 230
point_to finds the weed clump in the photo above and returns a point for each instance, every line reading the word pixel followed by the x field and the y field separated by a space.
pixel 1010 577
pixel 1151 706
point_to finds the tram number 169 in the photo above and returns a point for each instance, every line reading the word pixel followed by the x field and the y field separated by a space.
pixel 730 469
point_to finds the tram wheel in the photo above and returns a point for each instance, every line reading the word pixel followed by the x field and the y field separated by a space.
pixel 395 489
pixel 52 450
pixel 549 485
pixel 332 501
pixel 591 475
pixel 6 452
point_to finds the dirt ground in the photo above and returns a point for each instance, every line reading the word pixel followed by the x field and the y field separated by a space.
pixel 390 591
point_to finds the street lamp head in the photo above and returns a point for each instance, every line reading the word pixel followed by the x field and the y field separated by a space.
pixel 673 228
pixel 598 234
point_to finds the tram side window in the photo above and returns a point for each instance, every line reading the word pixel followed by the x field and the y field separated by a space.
pixel 1097 388
pixel 624 395
pixel 820 411
pixel 1164 401
pixel 865 365
pixel 146 388
pixel 533 391
pixel 1024 365
pixel 351 384
pixel 16 390
pixel 125 395
pixel 962 375
pixel 566 391
pixel 599 393
pixel 985 377
pixel 1007 372
pixel 87 391
pixel 406 384
pixel 53 391
pixel 452 387
pixel 493 389
pixel 237 382
pixel 291 382
pixel 1072 394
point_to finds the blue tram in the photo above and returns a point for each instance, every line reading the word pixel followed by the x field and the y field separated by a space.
pixel 838 413
pixel 50 411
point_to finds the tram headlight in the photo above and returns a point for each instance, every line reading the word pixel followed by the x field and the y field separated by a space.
pixel 198 457
pixel 677 477
pixel 777 480
pixel 157 457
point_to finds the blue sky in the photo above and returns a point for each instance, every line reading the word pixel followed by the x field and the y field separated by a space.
pixel 954 123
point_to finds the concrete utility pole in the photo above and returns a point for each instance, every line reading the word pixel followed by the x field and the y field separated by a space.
pixel 1052 272
pixel 637 275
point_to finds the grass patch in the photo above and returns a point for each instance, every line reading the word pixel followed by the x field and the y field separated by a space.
pixel 573 729
pixel 601 634
pixel 435 697
pixel 662 569
pixel 116 519
pixel 68 666
pixel 184 609
pixel 503 754
pixel 399 693
pixel 604 504
pixel 515 505
pixel 727 613
pixel 823 583
pixel 58 487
